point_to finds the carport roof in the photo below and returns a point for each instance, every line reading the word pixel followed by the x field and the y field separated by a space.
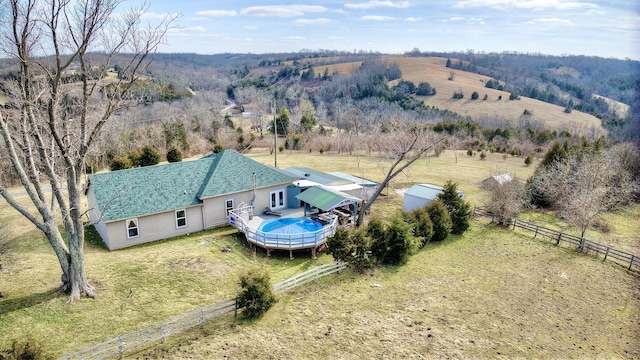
pixel 326 199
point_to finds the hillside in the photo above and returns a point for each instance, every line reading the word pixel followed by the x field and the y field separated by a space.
pixel 491 111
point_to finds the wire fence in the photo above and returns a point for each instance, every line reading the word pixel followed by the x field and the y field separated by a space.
pixel 623 258
pixel 119 346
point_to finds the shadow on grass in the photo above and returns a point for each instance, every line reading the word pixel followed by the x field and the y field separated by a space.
pixel 9 305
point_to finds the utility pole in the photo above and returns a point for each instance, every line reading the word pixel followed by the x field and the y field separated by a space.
pixel 275 135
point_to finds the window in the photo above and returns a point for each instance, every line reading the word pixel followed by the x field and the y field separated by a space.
pixel 132 228
pixel 229 205
pixel 181 218
pixel 277 199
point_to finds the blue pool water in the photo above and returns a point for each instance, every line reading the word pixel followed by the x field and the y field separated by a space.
pixel 290 226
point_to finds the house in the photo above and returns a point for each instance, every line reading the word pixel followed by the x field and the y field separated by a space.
pixel 421 195
pixel 140 205
pixel 497 180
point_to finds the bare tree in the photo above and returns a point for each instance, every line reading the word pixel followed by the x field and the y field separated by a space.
pixel 506 200
pixel 583 187
pixel 401 148
pixel 60 102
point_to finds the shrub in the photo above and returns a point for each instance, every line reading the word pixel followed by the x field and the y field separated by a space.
pixel 527 112
pixel 567 110
pixel 351 246
pixel 218 149
pixel 149 156
pixel 440 220
pixel 458 209
pixel 485 97
pixel 256 296
pixel 421 223
pixel 120 163
pixel 27 348
pixel 528 160
pixel 514 96
pixel 399 242
pixel 458 95
pixel 475 95
pixel 174 155
pixel 470 152
pixel 483 155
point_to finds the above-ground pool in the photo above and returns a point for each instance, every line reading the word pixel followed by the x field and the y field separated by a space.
pixel 290 226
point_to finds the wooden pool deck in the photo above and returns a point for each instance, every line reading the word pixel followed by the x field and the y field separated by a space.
pixel 248 222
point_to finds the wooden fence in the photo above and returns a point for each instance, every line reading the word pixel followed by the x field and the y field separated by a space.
pixel 582 244
pixel 120 345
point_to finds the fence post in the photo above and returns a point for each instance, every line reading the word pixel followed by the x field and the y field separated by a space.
pixel 120 347
pixel 536 234
pixel 514 223
pixel 162 333
pixel 201 319
pixel 235 310
pixel 559 238
pixel 582 241
pixel 606 254
pixel 633 257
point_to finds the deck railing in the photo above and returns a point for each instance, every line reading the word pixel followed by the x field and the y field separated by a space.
pixel 239 218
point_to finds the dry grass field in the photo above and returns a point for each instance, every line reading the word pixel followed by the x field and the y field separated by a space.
pixel 505 111
pixel 485 295
pixel 489 293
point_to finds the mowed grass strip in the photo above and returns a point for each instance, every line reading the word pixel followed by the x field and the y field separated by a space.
pixel 489 293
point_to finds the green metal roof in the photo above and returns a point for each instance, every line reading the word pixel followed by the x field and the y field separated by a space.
pixel 325 198
pixel 154 189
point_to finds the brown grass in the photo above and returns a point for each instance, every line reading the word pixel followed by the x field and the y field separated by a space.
pixel 487 294
pixel 434 71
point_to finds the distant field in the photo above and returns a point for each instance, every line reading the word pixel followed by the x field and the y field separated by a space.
pixel 434 71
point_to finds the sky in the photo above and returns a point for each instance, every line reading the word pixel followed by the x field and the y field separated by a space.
pixel 605 28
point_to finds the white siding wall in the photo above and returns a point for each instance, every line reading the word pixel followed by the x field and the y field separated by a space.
pixel 413 202
pixel 152 228
pixel 215 208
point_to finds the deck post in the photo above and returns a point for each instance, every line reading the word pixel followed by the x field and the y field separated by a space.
pixel 313 253
pixel 290 254
pixel 268 252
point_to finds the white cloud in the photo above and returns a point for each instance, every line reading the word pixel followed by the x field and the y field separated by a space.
pixel 216 13
pixel 337 37
pixel 295 38
pixel 188 30
pixel 377 3
pixel 158 16
pixel 548 20
pixel 412 19
pixel 282 10
pixel 376 18
pixel 526 4
pixel 318 21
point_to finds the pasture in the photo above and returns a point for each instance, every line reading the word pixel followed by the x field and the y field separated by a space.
pixel 485 294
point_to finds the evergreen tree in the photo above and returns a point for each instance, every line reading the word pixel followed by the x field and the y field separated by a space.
pixel 440 220
pixel 149 156
pixel 351 246
pixel 458 209
pixel 422 226
pixel 174 155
